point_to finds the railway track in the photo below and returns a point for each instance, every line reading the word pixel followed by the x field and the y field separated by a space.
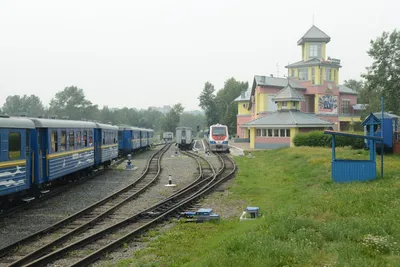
pixel 84 251
pixel 57 189
pixel 43 242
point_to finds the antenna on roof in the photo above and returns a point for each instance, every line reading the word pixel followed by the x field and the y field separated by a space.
pixel 277 69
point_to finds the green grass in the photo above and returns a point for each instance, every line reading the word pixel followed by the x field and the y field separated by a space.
pixel 307 219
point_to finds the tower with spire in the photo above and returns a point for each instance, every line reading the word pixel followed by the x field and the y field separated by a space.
pixel 315 67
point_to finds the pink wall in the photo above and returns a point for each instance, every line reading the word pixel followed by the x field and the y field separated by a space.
pixel 240 120
pixel 273 140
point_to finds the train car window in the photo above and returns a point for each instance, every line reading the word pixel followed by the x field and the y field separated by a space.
pixel 85 143
pixel 104 138
pixel 71 140
pixel 90 137
pixel 78 139
pixel 14 145
pixel 63 141
pixel 54 141
pixel 115 139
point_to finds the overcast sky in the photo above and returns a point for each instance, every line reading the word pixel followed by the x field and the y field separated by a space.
pixel 154 53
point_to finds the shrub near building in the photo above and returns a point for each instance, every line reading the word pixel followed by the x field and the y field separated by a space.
pixel 319 139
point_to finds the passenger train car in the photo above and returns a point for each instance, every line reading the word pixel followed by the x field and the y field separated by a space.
pixel 218 137
pixel 168 136
pixel 34 152
pixel 133 138
pixel 184 137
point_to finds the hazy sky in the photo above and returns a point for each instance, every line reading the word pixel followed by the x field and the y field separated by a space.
pixel 154 53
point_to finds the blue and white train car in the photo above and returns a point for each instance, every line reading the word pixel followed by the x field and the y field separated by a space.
pixel 106 140
pixel 64 147
pixel 129 139
pixel 15 155
pixel 135 138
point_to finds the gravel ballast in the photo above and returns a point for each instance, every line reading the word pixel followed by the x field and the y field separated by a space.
pixel 45 213
pixel 214 200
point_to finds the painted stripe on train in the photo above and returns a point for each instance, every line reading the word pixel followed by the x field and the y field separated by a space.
pixel 12 163
pixel 56 155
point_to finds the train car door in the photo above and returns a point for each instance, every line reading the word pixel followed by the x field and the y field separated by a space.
pixel 42 141
pixel 99 140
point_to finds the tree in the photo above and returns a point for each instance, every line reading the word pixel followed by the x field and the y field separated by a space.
pixel 357 86
pixel 193 120
pixel 383 77
pixel 71 102
pixel 226 107
pixel 208 104
pixel 172 119
pixel 17 105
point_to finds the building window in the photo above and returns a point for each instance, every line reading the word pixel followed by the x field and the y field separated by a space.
pixel 333 75
pixel 312 75
pixel 315 51
pixel 327 74
pixel 273 132
pixel 14 145
pixel 293 72
pixel 345 106
pixel 303 74
pixel 284 104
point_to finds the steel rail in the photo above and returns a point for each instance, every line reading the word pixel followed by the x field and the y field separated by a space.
pixel 64 223
pixel 140 218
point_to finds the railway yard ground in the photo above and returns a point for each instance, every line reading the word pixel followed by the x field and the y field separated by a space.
pixel 307 220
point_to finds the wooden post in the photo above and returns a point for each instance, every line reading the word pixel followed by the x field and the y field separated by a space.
pixel 333 148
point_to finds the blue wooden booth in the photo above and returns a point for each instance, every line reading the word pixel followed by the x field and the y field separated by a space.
pixel 346 170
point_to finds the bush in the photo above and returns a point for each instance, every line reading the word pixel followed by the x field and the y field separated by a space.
pixel 319 139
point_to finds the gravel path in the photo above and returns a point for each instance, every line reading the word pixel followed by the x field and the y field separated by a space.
pixel 43 214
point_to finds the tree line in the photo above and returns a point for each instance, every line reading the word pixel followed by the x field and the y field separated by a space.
pixel 382 78
pixel 71 103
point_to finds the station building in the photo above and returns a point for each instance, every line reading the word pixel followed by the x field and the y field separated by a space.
pixel 313 82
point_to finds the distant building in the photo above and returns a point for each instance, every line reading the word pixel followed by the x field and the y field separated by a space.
pixel 165 109
pixel 315 78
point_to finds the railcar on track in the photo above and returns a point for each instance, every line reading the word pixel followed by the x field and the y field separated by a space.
pixel 218 137
pixel 35 152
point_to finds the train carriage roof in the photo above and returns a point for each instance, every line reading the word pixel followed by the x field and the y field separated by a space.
pixel 52 123
pixel 107 126
pixel 127 127
pixel 21 123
